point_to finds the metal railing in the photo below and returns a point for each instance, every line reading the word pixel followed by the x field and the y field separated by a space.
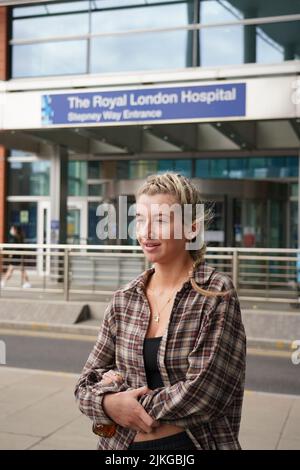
pixel 165 29
pixel 87 271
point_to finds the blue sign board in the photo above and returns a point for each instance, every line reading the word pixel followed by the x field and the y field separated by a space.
pixel 142 105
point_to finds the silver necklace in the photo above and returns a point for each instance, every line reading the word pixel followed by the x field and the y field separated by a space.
pixel 157 316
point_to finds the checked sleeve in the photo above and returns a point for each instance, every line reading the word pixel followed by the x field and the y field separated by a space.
pixel 89 391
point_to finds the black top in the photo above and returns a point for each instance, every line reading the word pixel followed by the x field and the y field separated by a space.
pixel 151 346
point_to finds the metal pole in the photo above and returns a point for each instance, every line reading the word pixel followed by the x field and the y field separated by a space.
pixel 298 254
pixel 298 199
pixel 66 274
pixel 235 267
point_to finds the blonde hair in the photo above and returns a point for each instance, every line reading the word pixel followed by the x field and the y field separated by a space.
pixel 185 192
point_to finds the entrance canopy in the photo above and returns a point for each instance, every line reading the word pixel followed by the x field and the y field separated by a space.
pixel 244 115
pixel 142 141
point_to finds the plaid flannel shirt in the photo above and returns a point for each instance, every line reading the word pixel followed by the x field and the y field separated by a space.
pixel 201 359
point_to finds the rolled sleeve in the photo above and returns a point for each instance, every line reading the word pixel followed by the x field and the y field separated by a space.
pixel 89 391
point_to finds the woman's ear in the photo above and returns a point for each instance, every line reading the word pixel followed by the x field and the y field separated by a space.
pixel 193 231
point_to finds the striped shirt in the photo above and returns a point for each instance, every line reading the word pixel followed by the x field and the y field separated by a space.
pixel 201 360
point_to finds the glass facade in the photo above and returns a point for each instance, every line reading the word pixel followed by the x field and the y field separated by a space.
pixel 77 178
pixel 73 226
pixel 29 178
pixel 220 45
pixel 123 36
pixel 257 222
pixel 25 215
pixel 247 168
pixel 293 215
pixel 92 223
pixel 111 36
pixel 85 178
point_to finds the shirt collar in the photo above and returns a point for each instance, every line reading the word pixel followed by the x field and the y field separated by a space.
pixel 201 274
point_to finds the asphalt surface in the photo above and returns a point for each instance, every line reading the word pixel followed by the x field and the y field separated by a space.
pixel 266 371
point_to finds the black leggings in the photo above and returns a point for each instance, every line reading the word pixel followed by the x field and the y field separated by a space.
pixel 179 441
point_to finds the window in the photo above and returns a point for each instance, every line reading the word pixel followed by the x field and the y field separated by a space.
pixel 53 58
pixel 247 168
pixel 35 23
pixel 220 45
pixel 77 178
pixel 143 51
pixel 24 214
pixel 29 178
pixel 111 35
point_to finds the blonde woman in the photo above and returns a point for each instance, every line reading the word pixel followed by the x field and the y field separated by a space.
pixel 167 371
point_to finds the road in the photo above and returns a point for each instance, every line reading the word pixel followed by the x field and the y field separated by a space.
pixel 266 371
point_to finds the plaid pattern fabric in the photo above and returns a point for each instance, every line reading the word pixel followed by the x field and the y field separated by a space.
pixel 201 359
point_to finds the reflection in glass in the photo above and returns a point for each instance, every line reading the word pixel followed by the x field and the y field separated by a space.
pixel 24 214
pixel 48 8
pixel 29 11
pixel 54 58
pixel 20 153
pixel 56 25
pixel 146 51
pixel 210 46
pixel 267 50
pixel 202 168
pixel 77 178
pixel 95 189
pixel 64 7
pixel 141 168
pixel 29 179
pixel 94 169
pixel 254 168
pixel 93 220
pixel 278 41
pixel 216 11
pixel 158 16
pixel 73 226
pixel 276 234
pixel 293 215
pixel 220 45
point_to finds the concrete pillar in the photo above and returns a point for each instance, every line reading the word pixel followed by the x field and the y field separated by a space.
pixel 59 194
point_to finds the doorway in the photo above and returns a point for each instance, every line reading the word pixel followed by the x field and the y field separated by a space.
pixel 77 230
pixel 33 216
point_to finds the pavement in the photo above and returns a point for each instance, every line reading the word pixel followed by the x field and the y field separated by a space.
pixel 90 328
pixel 38 412
pixel 269 325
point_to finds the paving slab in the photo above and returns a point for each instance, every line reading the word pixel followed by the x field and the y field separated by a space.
pixel 38 411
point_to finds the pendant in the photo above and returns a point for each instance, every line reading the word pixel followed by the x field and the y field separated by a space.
pixel 156 318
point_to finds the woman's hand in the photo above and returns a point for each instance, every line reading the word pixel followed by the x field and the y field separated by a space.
pixel 124 409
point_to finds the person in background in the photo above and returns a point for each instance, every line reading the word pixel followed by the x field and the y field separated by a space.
pixel 16 235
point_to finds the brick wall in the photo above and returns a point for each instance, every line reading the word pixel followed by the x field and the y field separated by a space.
pixel 3 76
pixel 3 44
